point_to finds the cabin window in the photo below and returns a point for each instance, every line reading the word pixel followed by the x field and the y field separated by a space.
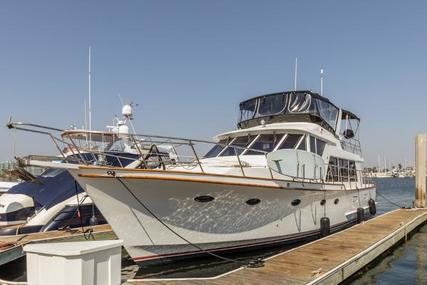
pixel 352 171
pixel 332 174
pixel 302 144
pixel 265 143
pixel 216 149
pixel 240 142
pixel 312 144
pixel 290 141
pixel 341 170
pixel 320 147
pixel 317 146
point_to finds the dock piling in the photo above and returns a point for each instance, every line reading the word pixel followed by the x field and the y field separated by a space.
pixel 420 166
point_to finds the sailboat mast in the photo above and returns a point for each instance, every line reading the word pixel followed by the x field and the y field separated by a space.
pixel 90 98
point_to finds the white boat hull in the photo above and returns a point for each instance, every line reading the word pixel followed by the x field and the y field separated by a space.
pixel 227 222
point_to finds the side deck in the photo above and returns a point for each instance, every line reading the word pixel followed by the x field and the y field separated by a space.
pixel 330 260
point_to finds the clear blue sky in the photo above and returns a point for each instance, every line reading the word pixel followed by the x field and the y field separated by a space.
pixel 189 63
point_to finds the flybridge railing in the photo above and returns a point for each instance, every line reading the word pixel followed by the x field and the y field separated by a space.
pixel 146 149
pixel 153 151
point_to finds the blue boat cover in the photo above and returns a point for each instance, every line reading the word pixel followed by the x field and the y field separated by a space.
pixel 51 187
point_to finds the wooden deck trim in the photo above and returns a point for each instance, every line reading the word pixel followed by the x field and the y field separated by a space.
pixel 202 174
pixel 178 179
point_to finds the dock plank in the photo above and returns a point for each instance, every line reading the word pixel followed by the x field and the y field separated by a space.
pixel 11 246
pixel 329 260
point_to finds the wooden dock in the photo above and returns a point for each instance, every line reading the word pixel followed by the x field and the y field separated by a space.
pixel 330 260
pixel 11 246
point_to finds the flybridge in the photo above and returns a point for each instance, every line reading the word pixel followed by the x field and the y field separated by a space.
pixel 291 106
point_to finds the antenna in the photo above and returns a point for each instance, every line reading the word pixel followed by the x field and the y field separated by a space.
pixel 85 125
pixel 121 99
pixel 90 100
pixel 321 81
pixel 296 73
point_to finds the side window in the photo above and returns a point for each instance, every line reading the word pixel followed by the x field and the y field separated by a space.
pixel 320 147
pixel 242 142
pixel 344 170
pixel 290 141
pixel 352 171
pixel 332 174
pixel 216 149
pixel 302 145
pixel 317 145
pixel 265 142
pixel 312 144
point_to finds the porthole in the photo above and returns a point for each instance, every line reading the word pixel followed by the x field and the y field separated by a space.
pixel 204 199
pixel 323 202
pixel 295 202
pixel 253 201
pixel 336 201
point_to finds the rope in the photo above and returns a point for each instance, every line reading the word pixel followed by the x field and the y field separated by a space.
pixel 87 234
pixel 253 263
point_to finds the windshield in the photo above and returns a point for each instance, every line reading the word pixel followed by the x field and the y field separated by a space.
pixel 241 142
pixel 216 149
pixel 265 143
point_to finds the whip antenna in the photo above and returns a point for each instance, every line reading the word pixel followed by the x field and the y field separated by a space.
pixel 296 74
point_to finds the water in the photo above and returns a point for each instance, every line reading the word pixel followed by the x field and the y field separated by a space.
pixel 407 264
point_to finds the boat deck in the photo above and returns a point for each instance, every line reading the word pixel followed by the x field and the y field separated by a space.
pixel 11 246
pixel 330 260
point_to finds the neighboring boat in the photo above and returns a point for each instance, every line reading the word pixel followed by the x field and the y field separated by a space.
pixel 54 200
pixel 5 186
pixel 56 186
pixel 76 211
pixel 292 171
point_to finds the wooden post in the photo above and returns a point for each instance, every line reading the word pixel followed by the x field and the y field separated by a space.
pixel 420 165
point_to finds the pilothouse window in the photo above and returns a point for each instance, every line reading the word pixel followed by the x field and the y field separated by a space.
pixel 317 145
pixel 241 142
pixel 216 149
pixel 290 141
pixel 265 142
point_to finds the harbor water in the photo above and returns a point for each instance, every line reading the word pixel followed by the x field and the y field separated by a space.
pixel 406 264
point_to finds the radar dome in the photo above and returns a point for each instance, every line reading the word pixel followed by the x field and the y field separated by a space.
pixel 123 130
pixel 127 110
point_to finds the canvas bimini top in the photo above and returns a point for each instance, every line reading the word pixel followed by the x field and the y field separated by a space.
pixel 290 106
